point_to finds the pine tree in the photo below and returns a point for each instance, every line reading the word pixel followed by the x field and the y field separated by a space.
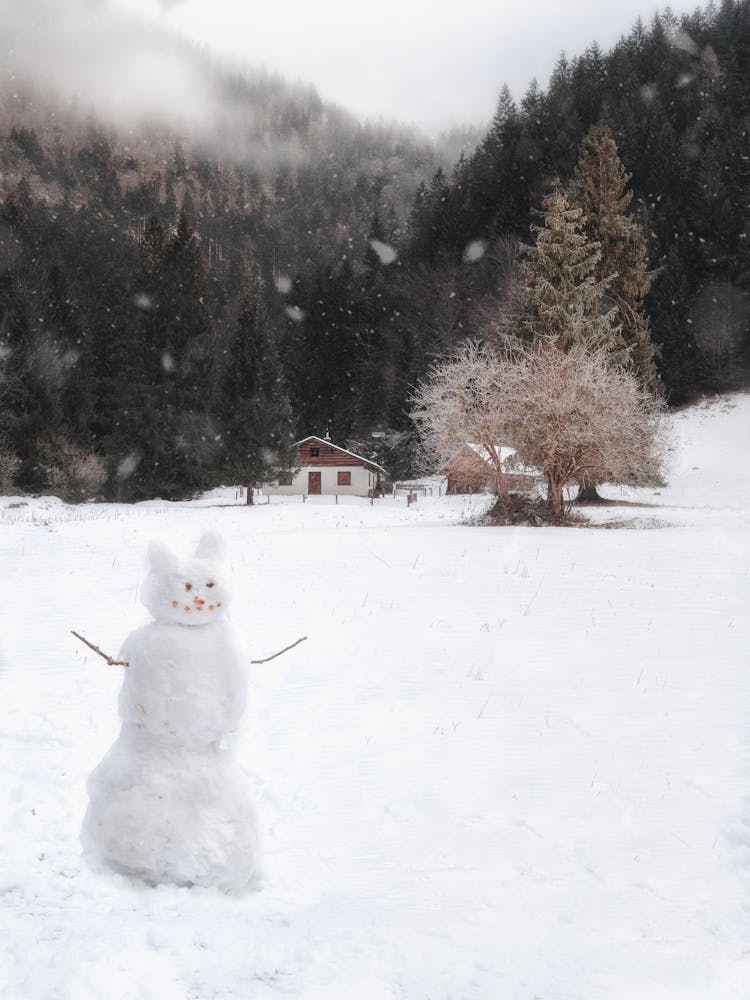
pixel 187 443
pixel 562 139
pixel 256 420
pixel 562 297
pixel 324 351
pixel 428 233
pixel 169 209
pixel 62 325
pixel 134 382
pixel 670 311
pixel 31 400
pixel 498 185
pixel 599 189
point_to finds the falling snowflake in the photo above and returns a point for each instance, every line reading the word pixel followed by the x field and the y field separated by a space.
pixel 475 251
pixel 682 40
pixel 386 254
pixel 295 313
pixel 127 466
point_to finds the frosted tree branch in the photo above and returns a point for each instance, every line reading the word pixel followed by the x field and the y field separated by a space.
pixel 124 663
pixel 110 660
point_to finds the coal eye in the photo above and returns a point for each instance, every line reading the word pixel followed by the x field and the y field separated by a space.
pixel 210 584
pixel 188 586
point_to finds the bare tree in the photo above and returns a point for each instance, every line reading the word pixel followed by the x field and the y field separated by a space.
pixel 9 461
pixel 464 401
pixel 9 466
pixel 72 473
pixel 569 413
pixel 579 418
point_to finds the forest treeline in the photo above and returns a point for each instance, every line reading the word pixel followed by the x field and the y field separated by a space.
pixel 175 311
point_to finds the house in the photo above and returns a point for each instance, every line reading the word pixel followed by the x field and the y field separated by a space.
pixel 470 471
pixel 324 468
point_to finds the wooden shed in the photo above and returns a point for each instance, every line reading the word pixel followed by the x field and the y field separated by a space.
pixel 470 471
pixel 324 468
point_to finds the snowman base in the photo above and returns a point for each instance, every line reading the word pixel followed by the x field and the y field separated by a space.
pixel 162 812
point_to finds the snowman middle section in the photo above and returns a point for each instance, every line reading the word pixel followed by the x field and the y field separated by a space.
pixel 185 686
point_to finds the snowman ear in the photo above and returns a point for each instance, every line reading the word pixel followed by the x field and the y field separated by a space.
pixel 160 557
pixel 211 547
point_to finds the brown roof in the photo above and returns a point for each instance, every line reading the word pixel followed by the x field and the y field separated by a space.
pixel 329 444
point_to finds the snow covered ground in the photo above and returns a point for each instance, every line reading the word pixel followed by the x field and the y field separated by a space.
pixel 507 763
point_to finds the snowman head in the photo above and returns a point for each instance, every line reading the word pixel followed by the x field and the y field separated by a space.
pixel 191 591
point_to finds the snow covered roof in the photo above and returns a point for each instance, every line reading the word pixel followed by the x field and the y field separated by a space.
pixel 481 452
pixel 329 444
pixel 501 449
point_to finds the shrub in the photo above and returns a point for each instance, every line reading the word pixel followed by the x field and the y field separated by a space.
pixel 9 466
pixel 72 473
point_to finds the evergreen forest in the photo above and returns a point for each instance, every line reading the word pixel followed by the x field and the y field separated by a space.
pixel 176 309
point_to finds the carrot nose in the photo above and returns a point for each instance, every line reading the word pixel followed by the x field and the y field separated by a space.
pixel 198 600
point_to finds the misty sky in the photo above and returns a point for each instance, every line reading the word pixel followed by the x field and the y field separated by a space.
pixel 427 62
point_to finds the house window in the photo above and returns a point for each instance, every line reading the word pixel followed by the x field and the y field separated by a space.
pixel 345 478
pixel 314 452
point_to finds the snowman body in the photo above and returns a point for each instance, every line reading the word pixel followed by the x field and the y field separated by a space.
pixel 169 802
pixel 187 683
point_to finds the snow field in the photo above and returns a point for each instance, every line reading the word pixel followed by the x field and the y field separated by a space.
pixel 507 763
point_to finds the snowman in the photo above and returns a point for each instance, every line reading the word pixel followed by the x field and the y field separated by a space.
pixel 169 802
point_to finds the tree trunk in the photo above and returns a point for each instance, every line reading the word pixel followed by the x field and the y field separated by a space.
pixel 503 490
pixel 587 493
pixel 495 462
pixel 249 500
pixel 555 497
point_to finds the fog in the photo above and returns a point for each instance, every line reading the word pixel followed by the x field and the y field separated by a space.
pixel 130 66
pixel 435 63
pixel 120 65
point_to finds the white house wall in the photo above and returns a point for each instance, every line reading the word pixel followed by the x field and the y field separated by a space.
pixel 363 480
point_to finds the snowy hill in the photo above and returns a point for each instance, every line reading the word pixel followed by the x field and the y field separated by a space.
pixel 709 459
pixel 706 467
pixel 507 763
